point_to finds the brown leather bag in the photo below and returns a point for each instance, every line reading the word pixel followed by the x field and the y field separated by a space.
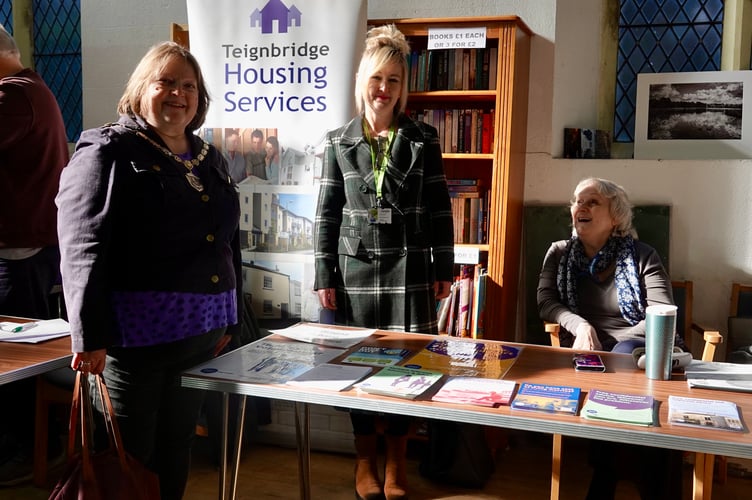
pixel 111 474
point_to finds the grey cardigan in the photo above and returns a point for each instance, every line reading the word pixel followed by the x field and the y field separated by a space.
pixel 597 301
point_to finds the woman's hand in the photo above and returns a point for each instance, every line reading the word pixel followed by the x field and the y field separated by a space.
pixel 441 289
pixel 89 361
pixel 328 298
pixel 586 338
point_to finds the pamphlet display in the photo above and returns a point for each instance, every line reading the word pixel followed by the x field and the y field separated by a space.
pixel 400 382
pixel 707 413
pixel 549 398
pixel 466 358
pixel 476 391
pixel 619 407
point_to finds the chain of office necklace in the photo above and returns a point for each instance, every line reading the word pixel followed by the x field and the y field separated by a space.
pixel 193 179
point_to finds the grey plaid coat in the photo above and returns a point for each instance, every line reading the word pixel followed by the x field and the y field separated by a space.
pixel 384 273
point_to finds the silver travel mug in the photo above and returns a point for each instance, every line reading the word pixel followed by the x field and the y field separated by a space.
pixel 660 327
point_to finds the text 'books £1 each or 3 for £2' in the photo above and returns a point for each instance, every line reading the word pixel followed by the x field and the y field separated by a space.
pixel 400 382
pixel 376 356
pixel 475 391
pixel 708 413
pixel 619 407
pixel 545 397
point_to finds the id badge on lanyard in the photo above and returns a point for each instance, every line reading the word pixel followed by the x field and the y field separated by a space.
pixel 379 215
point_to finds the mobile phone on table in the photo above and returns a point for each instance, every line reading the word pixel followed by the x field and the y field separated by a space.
pixel 588 363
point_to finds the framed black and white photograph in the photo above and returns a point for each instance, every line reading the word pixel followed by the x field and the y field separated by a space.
pixel 697 115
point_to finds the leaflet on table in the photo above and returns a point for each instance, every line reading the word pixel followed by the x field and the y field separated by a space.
pixel 549 398
pixel 708 413
pixel 720 384
pixel 635 409
pixel 331 377
pixel 34 331
pixel 468 358
pixel 718 370
pixel 376 356
pixel 400 382
pixel 475 391
pixel 267 361
pixel 326 335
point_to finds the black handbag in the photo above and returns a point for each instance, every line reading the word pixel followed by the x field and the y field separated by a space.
pixel 111 474
pixel 457 454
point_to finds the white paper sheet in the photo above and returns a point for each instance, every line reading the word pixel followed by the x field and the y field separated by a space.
pixel 34 332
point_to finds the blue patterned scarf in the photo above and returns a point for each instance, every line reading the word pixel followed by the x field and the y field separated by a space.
pixel 574 264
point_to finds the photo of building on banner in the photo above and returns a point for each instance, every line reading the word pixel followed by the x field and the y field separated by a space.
pixel 278 83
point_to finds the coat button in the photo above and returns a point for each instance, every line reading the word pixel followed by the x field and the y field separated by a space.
pixel 214 278
pixel 204 197
pixel 402 252
pixel 210 237
pixel 371 255
pixel 156 168
pixel 363 188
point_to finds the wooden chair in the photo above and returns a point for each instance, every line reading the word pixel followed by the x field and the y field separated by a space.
pixel 683 296
pixel 48 395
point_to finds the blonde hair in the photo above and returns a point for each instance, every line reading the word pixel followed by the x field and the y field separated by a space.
pixel 384 45
pixel 619 206
pixel 152 64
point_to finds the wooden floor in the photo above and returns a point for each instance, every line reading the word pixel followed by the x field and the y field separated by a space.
pixel 270 472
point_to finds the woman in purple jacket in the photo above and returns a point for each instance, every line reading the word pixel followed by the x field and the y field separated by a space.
pixel 148 221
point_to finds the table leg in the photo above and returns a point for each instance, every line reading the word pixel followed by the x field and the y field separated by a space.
pixel 702 481
pixel 556 467
pixel 223 451
pixel 302 427
pixel 238 446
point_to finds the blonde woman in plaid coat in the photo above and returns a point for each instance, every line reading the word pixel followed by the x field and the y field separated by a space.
pixel 384 238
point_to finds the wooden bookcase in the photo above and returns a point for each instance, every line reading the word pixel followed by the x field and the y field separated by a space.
pixel 503 170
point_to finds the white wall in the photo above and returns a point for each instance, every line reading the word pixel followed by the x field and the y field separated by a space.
pixel 712 207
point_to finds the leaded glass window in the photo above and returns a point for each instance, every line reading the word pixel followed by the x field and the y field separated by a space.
pixel 57 56
pixel 662 37
pixel 6 15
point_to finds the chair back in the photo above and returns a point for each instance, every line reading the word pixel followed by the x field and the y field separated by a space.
pixel 739 324
pixel 741 300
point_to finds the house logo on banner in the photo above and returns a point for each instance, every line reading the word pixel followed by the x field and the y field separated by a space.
pixel 275 10
pixel 278 83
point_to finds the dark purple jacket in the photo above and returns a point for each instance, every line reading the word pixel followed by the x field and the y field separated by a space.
pixel 128 220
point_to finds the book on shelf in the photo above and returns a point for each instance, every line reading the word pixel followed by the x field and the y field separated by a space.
pixel 475 391
pixel 707 413
pixel 468 358
pixel 465 299
pixel 376 356
pixel 330 376
pixel 637 409
pixel 548 398
pixel 399 381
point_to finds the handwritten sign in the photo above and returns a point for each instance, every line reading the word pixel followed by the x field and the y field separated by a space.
pixel 466 255
pixel 456 38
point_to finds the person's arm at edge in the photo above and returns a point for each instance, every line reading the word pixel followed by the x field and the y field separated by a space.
pixel 550 307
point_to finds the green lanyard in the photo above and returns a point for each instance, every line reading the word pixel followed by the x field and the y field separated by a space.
pixel 379 168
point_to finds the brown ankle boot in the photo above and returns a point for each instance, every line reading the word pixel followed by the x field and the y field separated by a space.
pixel 395 482
pixel 367 484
